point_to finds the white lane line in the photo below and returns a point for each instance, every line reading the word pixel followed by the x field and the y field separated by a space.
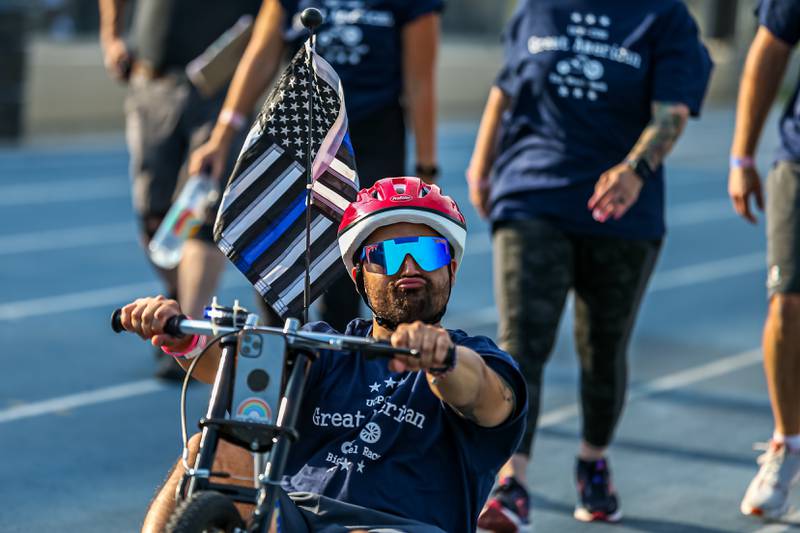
pixel 81 399
pixel 59 239
pixel 676 380
pixel 664 280
pixel 708 271
pixel 66 191
pixel 101 234
pixel 669 279
pixel 689 213
pixel 672 381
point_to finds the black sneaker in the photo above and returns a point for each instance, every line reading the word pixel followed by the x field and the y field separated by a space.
pixel 167 368
pixel 507 509
pixel 597 499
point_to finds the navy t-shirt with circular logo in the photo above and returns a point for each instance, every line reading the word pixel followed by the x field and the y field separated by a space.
pixel 382 440
pixel 581 77
pixel 362 40
pixel 782 19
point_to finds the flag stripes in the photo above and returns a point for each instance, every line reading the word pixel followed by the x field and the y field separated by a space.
pixel 261 222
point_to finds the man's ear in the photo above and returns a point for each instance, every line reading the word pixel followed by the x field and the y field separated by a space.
pixel 453 268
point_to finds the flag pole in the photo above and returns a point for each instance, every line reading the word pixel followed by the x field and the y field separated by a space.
pixel 311 19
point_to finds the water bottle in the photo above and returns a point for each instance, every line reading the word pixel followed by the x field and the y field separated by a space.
pixel 183 220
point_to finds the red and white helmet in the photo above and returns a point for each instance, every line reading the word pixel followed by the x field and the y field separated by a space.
pixel 393 200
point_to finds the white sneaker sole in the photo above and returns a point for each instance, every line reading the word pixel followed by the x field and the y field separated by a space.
pixel 583 515
pixel 768 514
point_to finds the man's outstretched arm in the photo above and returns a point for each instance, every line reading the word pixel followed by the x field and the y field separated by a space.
pixel 472 388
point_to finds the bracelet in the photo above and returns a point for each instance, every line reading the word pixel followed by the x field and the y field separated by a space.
pixel 742 162
pixel 440 372
pixel 232 118
pixel 427 170
pixel 187 352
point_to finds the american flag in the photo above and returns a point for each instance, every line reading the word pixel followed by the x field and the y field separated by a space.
pixel 261 222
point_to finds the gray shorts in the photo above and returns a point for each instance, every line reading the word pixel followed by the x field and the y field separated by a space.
pixel 783 228
pixel 166 119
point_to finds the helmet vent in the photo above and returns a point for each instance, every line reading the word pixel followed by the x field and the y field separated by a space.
pixel 400 188
pixel 424 192
pixel 376 194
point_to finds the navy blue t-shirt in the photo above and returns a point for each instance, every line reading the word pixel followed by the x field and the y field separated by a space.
pixel 782 19
pixel 582 76
pixel 382 440
pixel 361 39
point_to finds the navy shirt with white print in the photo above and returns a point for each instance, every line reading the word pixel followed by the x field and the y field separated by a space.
pixel 362 40
pixel 581 76
pixel 782 19
pixel 383 440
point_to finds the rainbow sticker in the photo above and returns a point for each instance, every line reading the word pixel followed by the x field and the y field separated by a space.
pixel 255 408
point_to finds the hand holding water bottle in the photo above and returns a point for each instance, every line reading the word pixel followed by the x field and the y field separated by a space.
pixel 183 220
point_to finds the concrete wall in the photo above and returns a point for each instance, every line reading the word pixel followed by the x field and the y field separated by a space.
pixel 68 91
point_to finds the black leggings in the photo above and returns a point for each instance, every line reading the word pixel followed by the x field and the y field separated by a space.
pixel 535 266
pixel 379 142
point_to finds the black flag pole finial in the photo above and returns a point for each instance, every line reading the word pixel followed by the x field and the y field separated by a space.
pixel 312 19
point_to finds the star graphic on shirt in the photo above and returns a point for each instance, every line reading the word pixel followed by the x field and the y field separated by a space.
pixel 405 378
pixel 375 387
pixel 390 382
pixel 346 465
pixel 360 467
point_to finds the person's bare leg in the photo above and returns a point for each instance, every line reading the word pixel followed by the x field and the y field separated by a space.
pixel 587 452
pixel 516 467
pixel 229 458
pixel 781 345
pixel 198 274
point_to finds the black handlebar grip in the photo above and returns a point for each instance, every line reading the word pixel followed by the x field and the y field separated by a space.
pixel 172 327
pixel 116 321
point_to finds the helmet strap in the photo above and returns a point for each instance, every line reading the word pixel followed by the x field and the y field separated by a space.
pixel 388 323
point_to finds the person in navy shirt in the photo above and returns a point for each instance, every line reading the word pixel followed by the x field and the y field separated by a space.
pixel 568 168
pixel 413 446
pixel 778 33
pixel 384 52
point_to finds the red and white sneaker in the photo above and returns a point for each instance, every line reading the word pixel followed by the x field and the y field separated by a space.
pixel 507 509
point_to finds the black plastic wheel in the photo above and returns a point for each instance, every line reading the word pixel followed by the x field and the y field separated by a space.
pixel 205 512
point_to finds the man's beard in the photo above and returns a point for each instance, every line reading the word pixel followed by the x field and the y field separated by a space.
pixel 399 306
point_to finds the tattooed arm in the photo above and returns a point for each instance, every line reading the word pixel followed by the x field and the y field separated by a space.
pixel 618 188
pixel 473 389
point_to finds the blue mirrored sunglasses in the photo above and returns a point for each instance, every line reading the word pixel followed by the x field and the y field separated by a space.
pixel 386 257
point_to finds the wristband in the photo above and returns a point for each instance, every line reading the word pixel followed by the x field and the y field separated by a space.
pixel 430 171
pixel 232 118
pixel 641 168
pixel 742 162
pixel 187 354
pixel 442 371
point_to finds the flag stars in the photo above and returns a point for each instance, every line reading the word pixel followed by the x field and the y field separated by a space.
pixel 297 129
pixel 272 131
